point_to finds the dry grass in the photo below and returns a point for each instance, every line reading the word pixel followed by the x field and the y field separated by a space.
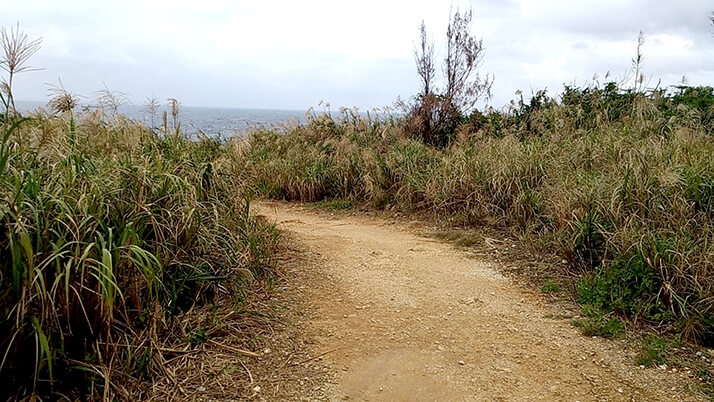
pixel 125 253
pixel 617 183
pixel 115 239
pixel 257 353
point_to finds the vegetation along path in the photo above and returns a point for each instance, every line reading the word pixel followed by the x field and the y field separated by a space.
pixel 398 316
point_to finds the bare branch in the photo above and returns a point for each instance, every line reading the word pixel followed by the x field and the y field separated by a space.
pixel 464 55
pixel 424 57
pixel 435 116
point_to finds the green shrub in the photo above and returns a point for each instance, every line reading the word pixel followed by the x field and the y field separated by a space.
pixel 627 286
pixel 598 324
pixel 653 351
pixel 550 286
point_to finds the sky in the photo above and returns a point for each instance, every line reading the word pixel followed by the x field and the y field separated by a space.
pixel 294 54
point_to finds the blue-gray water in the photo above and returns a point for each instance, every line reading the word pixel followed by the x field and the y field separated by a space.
pixel 210 121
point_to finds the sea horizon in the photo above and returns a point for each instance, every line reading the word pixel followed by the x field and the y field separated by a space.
pixel 212 121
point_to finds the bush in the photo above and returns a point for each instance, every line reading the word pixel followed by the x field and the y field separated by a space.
pixel 627 286
pixel 653 351
pixel 598 324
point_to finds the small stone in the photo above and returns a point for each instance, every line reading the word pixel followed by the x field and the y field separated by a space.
pixel 620 390
pixel 266 351
pixel 381 389
pixel 461 363
pixel 201 389
pixel 256 388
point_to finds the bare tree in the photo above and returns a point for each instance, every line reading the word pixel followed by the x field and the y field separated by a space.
pixel 437 113
pixel 17 49
pixel 464 55
pixel 424 57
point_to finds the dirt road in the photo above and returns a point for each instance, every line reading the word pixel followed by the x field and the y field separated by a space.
pixel 402 317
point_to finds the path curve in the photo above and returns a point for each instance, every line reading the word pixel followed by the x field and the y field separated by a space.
pixel 401 317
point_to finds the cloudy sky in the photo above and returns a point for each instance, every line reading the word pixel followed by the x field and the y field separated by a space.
pixel 293 54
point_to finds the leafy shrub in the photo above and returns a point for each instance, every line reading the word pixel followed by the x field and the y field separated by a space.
pixel 627 286
pixel 550 286
pixel 700 99
pixel 598 324
pixel 653 351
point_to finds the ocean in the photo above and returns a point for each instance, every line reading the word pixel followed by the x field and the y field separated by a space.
pixel 213 122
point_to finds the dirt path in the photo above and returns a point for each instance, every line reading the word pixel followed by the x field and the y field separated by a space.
pixel 402 317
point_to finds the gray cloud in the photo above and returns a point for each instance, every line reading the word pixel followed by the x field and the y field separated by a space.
pixel 283 54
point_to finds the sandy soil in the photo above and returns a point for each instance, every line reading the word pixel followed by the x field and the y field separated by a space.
pixel 401 317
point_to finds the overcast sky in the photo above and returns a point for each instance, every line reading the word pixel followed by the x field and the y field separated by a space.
pixel 293 54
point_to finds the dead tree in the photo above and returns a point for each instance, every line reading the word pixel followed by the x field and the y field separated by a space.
pixel 435 114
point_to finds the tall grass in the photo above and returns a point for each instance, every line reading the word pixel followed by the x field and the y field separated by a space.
pixel 108 232
pixel 618 182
